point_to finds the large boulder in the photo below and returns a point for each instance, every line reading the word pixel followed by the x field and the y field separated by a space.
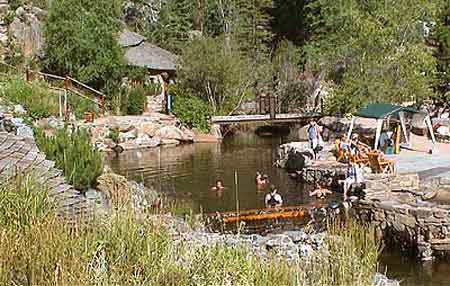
pixel 294 156
pixel 149 128
pixel 122 193
pixel 26 31
pixel 115 188
pixel 175 133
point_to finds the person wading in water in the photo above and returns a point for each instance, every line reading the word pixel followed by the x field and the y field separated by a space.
pixel 273 199
pixel 261 181
pixel 219 186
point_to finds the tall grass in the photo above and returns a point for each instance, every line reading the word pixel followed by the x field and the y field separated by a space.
pixel 125 251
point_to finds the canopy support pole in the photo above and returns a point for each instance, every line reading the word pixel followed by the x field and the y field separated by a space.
pixel 401 114
pixel 430 128
pixel 377 135
pixel 352 123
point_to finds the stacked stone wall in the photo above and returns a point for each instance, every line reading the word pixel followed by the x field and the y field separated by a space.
pixel 396 207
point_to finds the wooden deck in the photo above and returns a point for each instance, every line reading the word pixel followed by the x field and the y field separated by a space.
pixel 279 118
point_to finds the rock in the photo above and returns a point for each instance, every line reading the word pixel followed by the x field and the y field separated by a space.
pixel 25 132
pixel 216 131
pixel 118 191
pixel 20 12
pixel 381 280
pixel 26 31
pixel 17 122
pixel 40 14
pixel 336 124
pixel 3 39
pixel 55 123
pixel 303 133
pixel 418 123
pixel 169 142
pixel 443 130
pixel 306 250
pixel 4 7
pixel 125 128
pixel 205 138
pixel 143 198
pixel 144 140
pixel 174 133
pixel 19 109
pixel 149 128
pixel 127 136
pixel 294 156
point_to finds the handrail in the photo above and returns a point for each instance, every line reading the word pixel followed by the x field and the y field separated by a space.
pixel 85 86
pixel 68 81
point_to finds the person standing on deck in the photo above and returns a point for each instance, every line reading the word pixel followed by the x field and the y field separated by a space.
pixel 314 137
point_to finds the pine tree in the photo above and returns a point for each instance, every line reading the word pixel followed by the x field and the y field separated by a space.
pixel 175 21
pixel 252 27
pixel 442 41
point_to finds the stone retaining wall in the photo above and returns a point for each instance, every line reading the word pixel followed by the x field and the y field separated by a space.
pixel 396 207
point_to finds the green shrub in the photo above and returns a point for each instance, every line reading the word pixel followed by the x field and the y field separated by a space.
pixel 191 110
pixel 81 105
pixel 114 134
pixel 74 154
pixel 34 96
pixel 136 101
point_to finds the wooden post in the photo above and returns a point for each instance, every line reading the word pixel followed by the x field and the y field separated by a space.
pixel 27 75
pixel 272 107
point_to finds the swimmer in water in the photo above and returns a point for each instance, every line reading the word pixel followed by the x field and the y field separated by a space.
pixel 219 186
pixel 273 199
pixel 320 192
pixel 261 180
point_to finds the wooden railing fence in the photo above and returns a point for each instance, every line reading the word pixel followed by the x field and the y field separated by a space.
pixel 67 84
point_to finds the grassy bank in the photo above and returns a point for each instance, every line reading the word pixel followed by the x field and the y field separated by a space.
pixel 38 249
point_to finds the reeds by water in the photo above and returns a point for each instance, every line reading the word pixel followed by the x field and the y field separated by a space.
pixel 38 249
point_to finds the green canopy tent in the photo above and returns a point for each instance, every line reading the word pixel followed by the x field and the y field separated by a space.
pixel 381 112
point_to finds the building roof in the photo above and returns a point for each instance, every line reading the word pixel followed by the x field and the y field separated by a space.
pixel 150 56
pixel 383 110
pixel 142 54
pixel 130 39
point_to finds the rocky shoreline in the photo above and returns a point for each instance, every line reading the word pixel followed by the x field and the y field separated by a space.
pixel 145 131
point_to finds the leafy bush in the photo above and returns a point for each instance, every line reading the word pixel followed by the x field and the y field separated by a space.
pixel 34 96
pixel 212 72
pixel 73 153
pixel 81 105
pixel 114 134
pixel 191 110
pixel 136 101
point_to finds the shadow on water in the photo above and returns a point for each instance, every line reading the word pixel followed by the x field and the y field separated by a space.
pixel 413 273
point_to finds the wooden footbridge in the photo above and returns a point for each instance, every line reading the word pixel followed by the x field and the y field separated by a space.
pixel 268 109
pixel 271 118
